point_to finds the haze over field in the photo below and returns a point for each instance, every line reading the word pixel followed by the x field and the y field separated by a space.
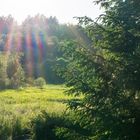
pixel 64 10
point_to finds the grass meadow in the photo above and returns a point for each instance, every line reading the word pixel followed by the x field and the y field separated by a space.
pixel 25 113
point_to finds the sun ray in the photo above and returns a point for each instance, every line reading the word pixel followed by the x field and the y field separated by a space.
pixel 9 41
pixel 29 52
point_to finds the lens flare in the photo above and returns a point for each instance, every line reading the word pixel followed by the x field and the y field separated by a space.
pixel 33 41
pixel 29 53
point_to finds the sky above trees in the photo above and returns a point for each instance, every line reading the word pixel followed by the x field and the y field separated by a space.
pixel 64 10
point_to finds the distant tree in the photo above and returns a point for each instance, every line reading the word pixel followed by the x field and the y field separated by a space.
pixel 6 24
pixel 4 81
pixel 41 42
pixel 15 71
pixel 40 82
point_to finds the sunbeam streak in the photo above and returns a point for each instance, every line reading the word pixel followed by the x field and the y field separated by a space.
pixel 29 55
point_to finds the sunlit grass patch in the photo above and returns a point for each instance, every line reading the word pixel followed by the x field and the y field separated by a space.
pixel 18 108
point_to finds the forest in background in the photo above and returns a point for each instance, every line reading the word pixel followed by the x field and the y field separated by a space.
pixel 31 50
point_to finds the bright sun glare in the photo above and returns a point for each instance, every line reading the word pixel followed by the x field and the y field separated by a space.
pixel 64 10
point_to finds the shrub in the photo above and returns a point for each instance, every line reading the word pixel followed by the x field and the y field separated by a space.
pixel 29 81
pixel 40 82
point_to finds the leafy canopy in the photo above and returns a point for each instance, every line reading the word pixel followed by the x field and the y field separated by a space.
pixel 107 72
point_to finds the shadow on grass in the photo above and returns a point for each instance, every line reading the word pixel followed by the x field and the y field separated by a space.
pixel 14 131
pixel 44 127
pixel 54 127
pixel 63 100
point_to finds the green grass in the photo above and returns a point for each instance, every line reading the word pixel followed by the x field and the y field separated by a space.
pixel 31 101
pixel 18 108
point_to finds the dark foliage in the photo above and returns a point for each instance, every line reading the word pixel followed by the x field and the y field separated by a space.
pixel 107 72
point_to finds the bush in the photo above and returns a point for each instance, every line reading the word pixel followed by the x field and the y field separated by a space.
pixel 40 82
pixel 29 81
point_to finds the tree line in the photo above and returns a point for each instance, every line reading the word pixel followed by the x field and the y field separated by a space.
pixel 31 50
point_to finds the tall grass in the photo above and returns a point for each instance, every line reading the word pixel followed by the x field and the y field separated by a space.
pixel 20 110
pixel 37 114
